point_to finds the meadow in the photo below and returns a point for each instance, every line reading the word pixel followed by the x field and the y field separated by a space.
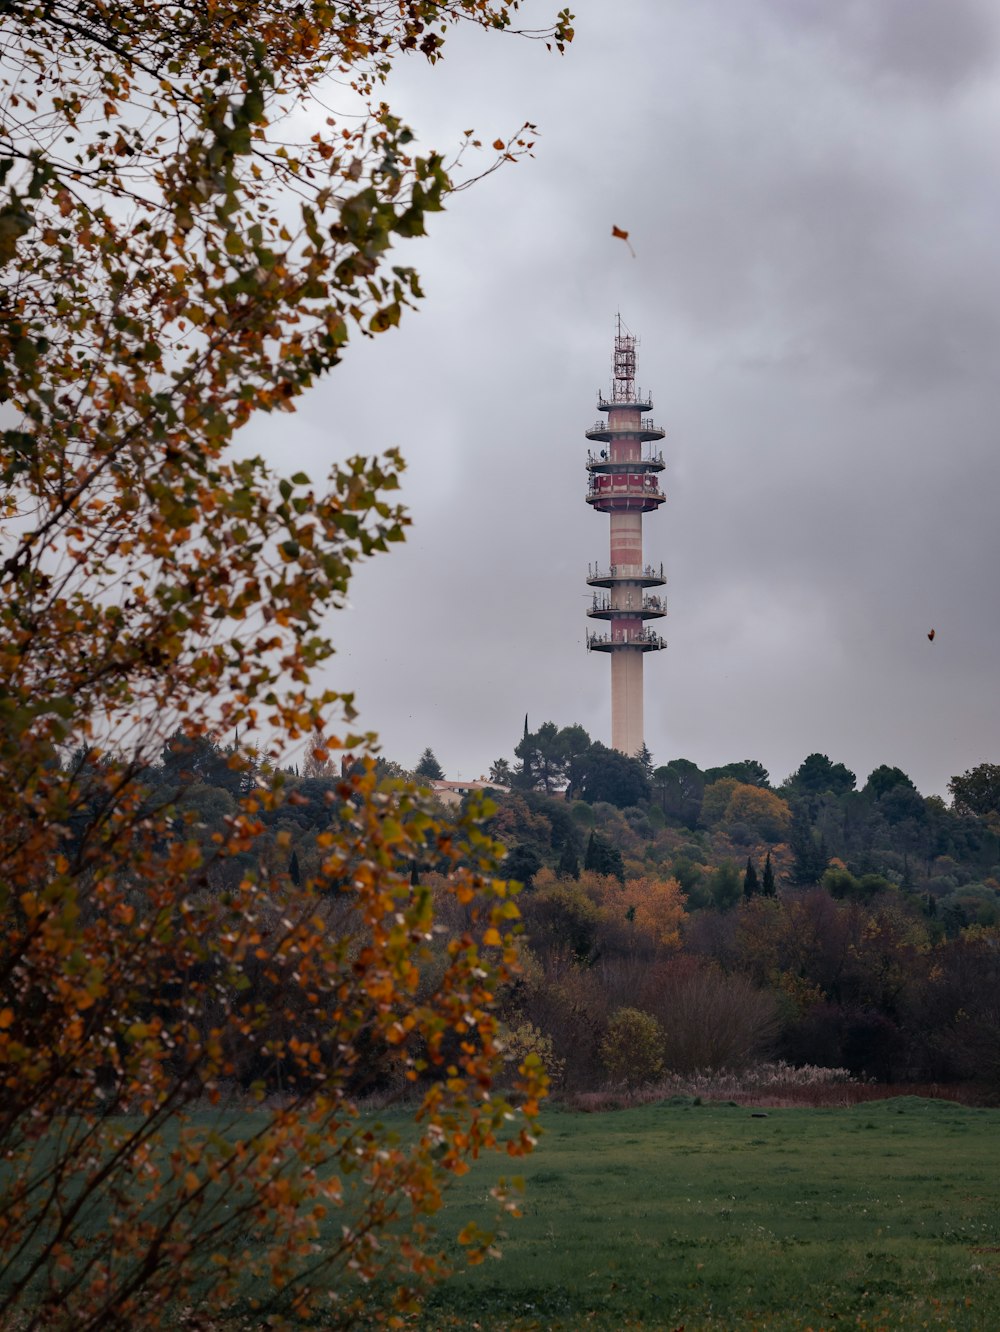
pixel 884 1215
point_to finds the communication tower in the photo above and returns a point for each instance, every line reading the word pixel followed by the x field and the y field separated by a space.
pixel 623 483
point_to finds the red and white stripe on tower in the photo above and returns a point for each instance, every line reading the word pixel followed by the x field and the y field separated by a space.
pixel 624 484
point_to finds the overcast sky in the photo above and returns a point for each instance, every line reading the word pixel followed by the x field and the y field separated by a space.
pixel 812 190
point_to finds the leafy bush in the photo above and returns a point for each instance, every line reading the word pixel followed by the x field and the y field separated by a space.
pixel 632 1049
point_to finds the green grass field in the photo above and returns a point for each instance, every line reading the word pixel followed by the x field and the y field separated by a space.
pixel 883 1216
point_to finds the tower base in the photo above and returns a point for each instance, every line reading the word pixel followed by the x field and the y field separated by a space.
pixel 626 700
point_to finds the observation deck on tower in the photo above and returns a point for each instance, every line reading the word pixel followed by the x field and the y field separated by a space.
pixel 623 482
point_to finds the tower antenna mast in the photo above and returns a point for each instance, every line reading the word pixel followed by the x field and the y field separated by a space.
pixel 623 483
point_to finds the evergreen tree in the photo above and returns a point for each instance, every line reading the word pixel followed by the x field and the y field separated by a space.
pixel 751 884
pixel 569 865
pixel 725 886
pixel 429 767
pixel 522 863
pixel 811 858
pixel 603 858
pixel 767 886
pixel 294 873
pixel 645 759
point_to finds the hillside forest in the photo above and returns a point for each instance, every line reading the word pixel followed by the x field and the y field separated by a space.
pixel 676 920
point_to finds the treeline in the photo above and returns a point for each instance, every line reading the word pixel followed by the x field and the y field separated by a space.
pixel 820 920
pixel 691 919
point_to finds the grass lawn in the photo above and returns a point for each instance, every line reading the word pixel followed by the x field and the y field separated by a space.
pixel 882 1216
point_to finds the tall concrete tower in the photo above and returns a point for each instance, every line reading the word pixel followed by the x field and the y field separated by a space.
pixel 623 483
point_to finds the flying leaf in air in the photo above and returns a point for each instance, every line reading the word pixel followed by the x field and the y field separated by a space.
pixel 930 634
pixel 623 235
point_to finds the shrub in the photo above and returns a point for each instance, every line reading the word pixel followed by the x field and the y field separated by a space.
pixel 632 1049
pixel 526 1039
pixel 710 1020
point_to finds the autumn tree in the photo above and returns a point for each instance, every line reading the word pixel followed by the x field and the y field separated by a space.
pixel 763 813
pixel 188 235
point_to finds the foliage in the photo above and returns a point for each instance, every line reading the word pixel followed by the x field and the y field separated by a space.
pixel 677 788
pixel 526 1041
pixel 603 858
pixel 715 801
pixel 817 774
pixel 632 1050
pixel 749 772
pixel 653 909
pixel 598 773
pixel 977 791
pixel 768 886
pixel 522 863
pixel 188 233
pixel 808 847
pixel 765 814
pixel 884 779
pixel 880 890
pixel 428 767
pixel 710 1020
pixel 545 756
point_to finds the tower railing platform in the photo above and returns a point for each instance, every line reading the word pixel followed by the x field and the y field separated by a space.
pixel 644 429
pixel 646 575
pixel 646 608
pixel 645 640
pixel 632 399
pixel 650 461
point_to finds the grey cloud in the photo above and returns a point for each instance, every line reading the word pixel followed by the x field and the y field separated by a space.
pixel 922 45
pixel 813 198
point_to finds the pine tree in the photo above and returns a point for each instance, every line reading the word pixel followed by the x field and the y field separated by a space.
pixel 767 886
pixel 429 767
pixel 751 884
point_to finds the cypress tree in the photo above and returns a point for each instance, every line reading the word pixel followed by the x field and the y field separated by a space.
pixel 767 886
pixel 751 884
pixel 569 865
